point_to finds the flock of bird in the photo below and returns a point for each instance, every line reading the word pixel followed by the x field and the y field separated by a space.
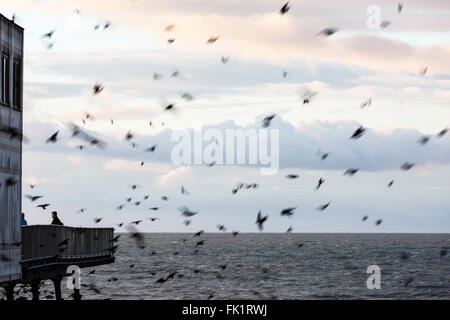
pixel 77 131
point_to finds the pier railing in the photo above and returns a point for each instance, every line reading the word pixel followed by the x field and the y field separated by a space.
pixel 46 248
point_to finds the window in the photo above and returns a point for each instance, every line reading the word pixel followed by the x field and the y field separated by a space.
pixel 17 84
pixel 5 79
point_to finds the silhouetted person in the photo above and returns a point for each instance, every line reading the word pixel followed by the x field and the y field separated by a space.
pixel 56 219
pixel 23 221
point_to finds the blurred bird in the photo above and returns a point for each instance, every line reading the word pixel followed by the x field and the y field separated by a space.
pixel 378 222
pixel 424 70
pixel 365 218
pixel 212 39
pixel 97 220
pixel 43 206
pixel 385 24
pixel 406 166
pixel 169 28
pixel 151 149
pixel 390 183
pixel 235 233
pixel 442 133
pixel 186 212
pixel 137 236
pixel 221 227
pixel 53 138
pixel 399 7
pixel 319 183
pixel 184 191
pixel 260 220
pixel 48 35
pixel 171 40
pixel 292 176
pixel 423 140
pixel 288 211
pixel 33 198
pixel 267 121
pixel 324 206
pixel 327 32
pixel 97 88
pixel 289 230
pixel 153 208
pixel 198 234
pixel 358 133
pixel 366 103
pixel 350 172
pixel 308 95
pixel 164 198
pixel 225 59
pixel 284 9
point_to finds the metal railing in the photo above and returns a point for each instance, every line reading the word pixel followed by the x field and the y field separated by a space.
pixel 47 241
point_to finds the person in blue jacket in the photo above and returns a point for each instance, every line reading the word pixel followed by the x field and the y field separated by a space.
pixel 22 217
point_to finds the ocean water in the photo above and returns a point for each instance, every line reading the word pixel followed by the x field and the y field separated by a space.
pixel 272 266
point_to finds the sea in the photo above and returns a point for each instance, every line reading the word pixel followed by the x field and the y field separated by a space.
pixel 254 266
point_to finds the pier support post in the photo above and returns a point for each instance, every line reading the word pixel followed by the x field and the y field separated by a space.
pixel 35 289
pixel 57 284
pixel 76 294
pixel 10 292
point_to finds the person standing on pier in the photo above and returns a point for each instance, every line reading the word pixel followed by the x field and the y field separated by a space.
pixel 56 220
pixel 23 221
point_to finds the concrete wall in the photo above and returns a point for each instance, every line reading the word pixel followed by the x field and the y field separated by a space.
pixel 11 43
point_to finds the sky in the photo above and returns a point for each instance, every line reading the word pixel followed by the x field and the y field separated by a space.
pixel 345 69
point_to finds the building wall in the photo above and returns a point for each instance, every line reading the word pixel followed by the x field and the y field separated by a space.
pixel 11 47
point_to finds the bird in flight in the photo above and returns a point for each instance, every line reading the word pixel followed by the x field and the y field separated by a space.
pixel 358 133
pixel 324 206
pixel 284 9
pixel 288 211
pixel 260 220
pixel 406 166
pixel 53 138
pixel 327 32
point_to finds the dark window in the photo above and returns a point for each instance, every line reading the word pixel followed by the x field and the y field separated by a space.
pixel 5 79
pixel 17 83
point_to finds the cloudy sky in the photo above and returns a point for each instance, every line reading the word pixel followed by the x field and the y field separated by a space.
pixel 345 69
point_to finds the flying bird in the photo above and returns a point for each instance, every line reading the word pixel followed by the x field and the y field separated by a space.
pixel 406 166
pixel 350 172
pixel 390 183
pixel 186 212
pixel 366 103
pixel 327 32
pixel 399 7
pixel 442 133
pixel 289 230
pixel 53 138
pixel 358 133
pixel 267 121
pixel 225 59
pixel 308 95
pixel 212 39
pixel 365 218
pixel 423 140
pixel 221 227
pixel 97 220
pixel 43 206
pixel 378 222
pixel 151 149
pixel 385 24
pixel 288 211
pixel 97 88
pixel 260 220
pixel 292 176
pixel 324 206
pixel 284 9
pixel 33 198
pixel 169 28
pixel 184 191
pixel 48 35
pixel 319 183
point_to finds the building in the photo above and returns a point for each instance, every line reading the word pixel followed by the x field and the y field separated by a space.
pixel 11 75
pixel 31 254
